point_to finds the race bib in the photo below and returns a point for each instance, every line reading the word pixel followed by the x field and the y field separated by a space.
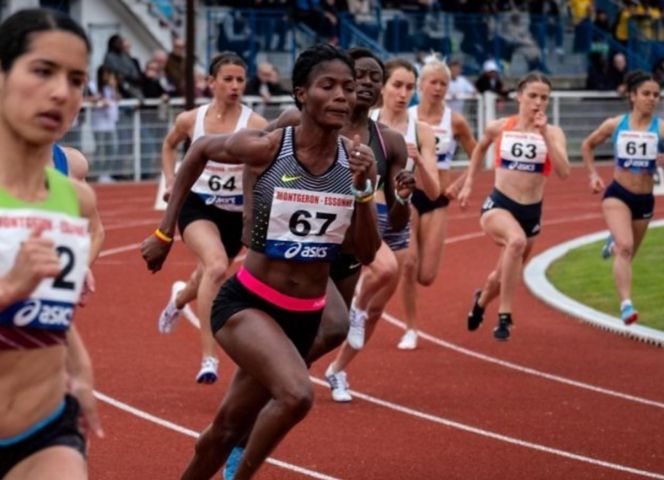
pixel 221 185
pixel 443 146
pixel 51 304
pixel 307 226
pixel 637 150
pixel 523 151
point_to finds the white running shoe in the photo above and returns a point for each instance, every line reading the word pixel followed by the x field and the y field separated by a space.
pixel 408 341
pixel 355 336
pixel 169 316
pixel 338 384
pixel 208 372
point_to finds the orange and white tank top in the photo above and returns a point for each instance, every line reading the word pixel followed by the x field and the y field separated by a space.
pixel 522 151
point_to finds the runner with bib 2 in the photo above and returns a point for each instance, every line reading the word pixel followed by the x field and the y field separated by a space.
pixel 628 203
pixel 527 149
pixel 267 316
pixel 44 244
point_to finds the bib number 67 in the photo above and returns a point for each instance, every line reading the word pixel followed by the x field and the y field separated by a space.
pixel 301 223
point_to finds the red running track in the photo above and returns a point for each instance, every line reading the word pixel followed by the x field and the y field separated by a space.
pixel 561 399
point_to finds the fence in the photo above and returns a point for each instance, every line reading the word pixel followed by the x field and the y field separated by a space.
pixel 132 150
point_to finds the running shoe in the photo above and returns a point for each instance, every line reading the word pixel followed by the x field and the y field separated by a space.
pixel 339 385
pixel 607 248
pixel 408 341
pixel 476 314
pixel 628 314
pixel 168 319
pixel 355 336
pixel 502 330
pixel 232 463
pixel 208 371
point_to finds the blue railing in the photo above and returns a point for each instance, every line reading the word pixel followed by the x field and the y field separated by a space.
pixel 649 46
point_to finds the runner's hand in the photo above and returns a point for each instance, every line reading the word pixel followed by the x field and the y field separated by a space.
pixel 361 162
pixel 464 195
pixel 89 415
pixel 596 183
pixel 154 251
pixel 404 183
pixel 540 122
pixel 36 260
pixel 89 286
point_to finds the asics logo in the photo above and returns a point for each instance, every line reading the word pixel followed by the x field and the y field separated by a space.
pixel 287 178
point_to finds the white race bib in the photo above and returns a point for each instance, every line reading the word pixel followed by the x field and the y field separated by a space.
pixel 51 304
pixel 523 151
pixel 307 225
pixel 636 149
pixel 221 185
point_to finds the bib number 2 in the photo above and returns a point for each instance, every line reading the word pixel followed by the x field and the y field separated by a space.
pixel 61 281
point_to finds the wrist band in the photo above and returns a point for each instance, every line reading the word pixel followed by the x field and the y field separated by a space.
pixel 364 199
pixel 402 200
pixel 368 190
pixel 162 236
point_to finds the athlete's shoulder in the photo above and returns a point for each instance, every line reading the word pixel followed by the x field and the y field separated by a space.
pixel 87 198
pixel 256 121
pixel 78 164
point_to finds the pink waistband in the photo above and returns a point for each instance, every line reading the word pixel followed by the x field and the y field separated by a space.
pixel 279 299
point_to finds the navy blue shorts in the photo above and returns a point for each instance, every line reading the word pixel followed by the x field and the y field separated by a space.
pixel 233 297
pixel 642 205
pixel 228 223
pixel 424 204
pixel 395 240
pixel 62 430
pixel 528 216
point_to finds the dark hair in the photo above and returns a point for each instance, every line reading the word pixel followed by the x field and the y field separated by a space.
pixel 395 64
pixel 313 56
pixel 102 72
pixel 115 43
pixel 532 77
pixel 635 79
pixel 16 32
pixel 225 58
pixel 357 53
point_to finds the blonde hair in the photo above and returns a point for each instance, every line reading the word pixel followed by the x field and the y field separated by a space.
pixel 433 63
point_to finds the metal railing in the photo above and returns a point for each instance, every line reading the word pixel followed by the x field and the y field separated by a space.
pixel 132 150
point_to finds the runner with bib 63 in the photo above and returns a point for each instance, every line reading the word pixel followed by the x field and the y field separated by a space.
pixel 527 149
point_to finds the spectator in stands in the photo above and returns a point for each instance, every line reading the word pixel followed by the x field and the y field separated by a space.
pixel 105 114
pixel 517 37
pixel 265 83
pixel 126 68
pixel 320 16
pixel 459 86
pixel 152 81
pixel 174 67
pixel 601 33
pixel 582 11
pixel 546 24
pixel 158 65
pixel 658 72
pixel 489 79
pixel 596 78
pixel 632 10
pixel 616 73
pixel 364 14
pixel 234 33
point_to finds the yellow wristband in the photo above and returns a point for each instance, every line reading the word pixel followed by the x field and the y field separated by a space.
pixel 365 199
pixel 162 236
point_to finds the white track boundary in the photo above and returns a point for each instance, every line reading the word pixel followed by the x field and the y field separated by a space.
pixel 537 282
pixel 191 433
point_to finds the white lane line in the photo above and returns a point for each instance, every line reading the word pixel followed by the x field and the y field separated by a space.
pixel 189 315
pixel 191 433
pixel 495 436
pixel 520 368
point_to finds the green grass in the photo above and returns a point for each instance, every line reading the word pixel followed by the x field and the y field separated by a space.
pixel 584 276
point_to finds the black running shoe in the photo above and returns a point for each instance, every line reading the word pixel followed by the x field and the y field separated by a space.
pixel 502 331
pixel 476 314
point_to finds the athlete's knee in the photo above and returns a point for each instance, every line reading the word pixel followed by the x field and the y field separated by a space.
pixel 216 270
pixel 386 270
pixel 409 265
pixel 297 399
pixel 623 249
pixel 516 245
